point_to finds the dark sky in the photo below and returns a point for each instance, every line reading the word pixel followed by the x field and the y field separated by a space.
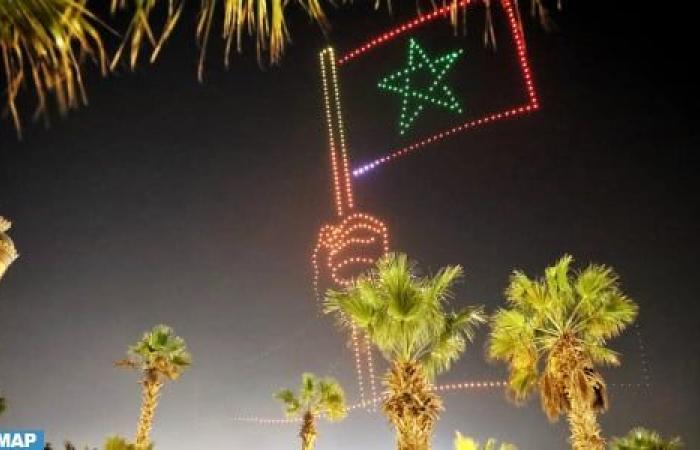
pixel 198 205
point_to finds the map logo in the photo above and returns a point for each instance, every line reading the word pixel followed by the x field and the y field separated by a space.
pixel 26 439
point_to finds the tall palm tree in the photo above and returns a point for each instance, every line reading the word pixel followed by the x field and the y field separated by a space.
pixel 467 443
pixel 404 316
pixel 316 397
pixel 643 439
pixel 553 335
pixel 159 356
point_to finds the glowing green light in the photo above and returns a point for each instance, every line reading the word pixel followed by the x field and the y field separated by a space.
pixel 414 98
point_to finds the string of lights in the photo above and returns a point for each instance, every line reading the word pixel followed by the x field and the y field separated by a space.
pixel 370 405
pixel 644 362
pixel 370 367
pixel 336 132
pixel 531 104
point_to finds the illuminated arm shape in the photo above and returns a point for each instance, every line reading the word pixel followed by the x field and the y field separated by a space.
pixel 350 246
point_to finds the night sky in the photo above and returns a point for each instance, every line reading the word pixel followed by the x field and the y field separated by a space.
pixel 198 205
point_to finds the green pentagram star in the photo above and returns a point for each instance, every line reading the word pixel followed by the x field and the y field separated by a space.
pixel 415 98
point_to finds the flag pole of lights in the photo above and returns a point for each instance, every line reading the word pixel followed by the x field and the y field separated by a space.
pixel 356 240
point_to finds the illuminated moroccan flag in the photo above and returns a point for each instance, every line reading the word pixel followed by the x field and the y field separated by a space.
pixel 401 92
pixel 419 83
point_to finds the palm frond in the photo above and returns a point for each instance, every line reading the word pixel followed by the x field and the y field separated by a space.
pixel 565 319
pixel 332 399
pixel 291 404
pixel 162 351
pixel 43 43
pixel 643 439
pixel 464 442
pixel 458 329
pixel 467 443
pixel 404 314
pixel 119 443
pixel 513 340
pixel 140 30
pixel 316 396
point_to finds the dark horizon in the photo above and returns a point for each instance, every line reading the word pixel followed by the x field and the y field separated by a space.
pixel 167 201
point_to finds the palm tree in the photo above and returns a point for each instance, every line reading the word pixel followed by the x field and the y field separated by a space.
pixel 119 443
pixel 159 356
pixel 316 397
pixel 553 335
pixel 3 405
pixel 467 443
pixel 643 439
pixel 404 316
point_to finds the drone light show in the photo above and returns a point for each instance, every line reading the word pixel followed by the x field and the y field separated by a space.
pixel 354 244
pixel 271 224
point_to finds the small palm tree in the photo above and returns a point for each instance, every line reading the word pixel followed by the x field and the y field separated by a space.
pixel 467 443
pixel 316 397
pixel 404 316
pixel 643 439
pixel 552 336
pixel 159 356
pixel 119 443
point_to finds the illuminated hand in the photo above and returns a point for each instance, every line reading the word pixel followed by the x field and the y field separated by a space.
pixel 349 248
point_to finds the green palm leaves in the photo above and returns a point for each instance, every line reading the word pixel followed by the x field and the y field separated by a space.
pixel 161 351
pixel 587 307
pixel 119 443
pixel 318 396
pixel 404 314
pixel 643 439
pixel 466 443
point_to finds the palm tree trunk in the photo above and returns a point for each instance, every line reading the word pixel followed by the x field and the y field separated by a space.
pixel 411 406
pixel 150 392
pixel 583 423
pixel 308 432
pixel 581 389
